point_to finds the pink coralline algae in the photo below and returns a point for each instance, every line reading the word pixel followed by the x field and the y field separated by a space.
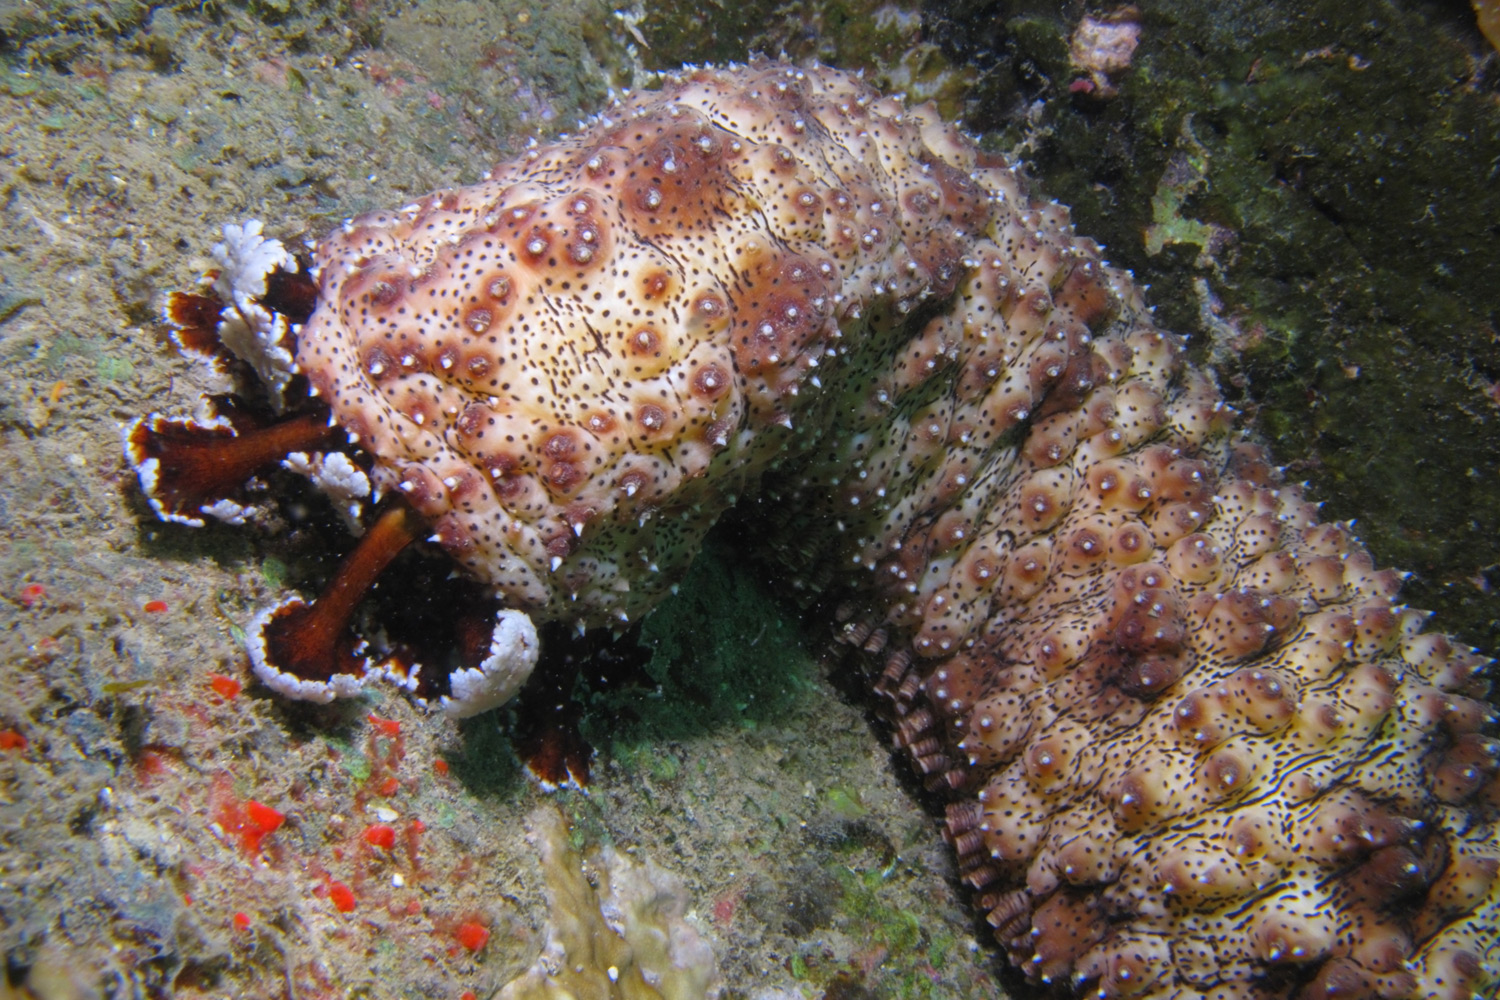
pixel 1191 743
pixel 1101 50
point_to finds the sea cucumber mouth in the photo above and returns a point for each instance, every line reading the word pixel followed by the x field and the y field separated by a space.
pixel 464 656
pixel 306 651
pixel 192 468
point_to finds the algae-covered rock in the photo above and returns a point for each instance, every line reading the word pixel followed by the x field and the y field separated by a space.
pixel 1310 192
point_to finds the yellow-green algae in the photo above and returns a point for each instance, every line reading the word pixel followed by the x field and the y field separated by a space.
pixel 617 928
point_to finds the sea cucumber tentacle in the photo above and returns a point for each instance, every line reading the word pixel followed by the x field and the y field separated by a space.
pixel 1193 744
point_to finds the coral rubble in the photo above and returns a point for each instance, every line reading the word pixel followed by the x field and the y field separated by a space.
pixel 1192 743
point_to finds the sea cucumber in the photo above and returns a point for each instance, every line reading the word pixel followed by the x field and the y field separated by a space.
pixel 1190 742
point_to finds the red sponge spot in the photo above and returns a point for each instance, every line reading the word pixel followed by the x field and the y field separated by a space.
pixel 381 835
pixel 263 817
pixel 471 935
pixel 224 687
pixel 341 896
pixel 247 822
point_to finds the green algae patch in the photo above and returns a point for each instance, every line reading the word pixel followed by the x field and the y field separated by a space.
pixel 1309 193
pixel 892 43
pixel 487 765
pixel 723 652
pixel 889 950
pixel 113 369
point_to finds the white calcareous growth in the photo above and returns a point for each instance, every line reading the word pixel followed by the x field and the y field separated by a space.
pixel 252 332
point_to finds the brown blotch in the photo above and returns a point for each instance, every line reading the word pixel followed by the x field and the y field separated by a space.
pixel 644 342
pixel 1227 773
pixel 507 475
pixel 1243 621
pixel 633 482
pixel 498 288
pixel 965 204
pixel 478 366
pixel 939 258
pixel 564 477
pixel 678 179
pixel 1129 541
pixel 1047 368
pixel 535 244
pixel 1080 374
pixel 651 418
pixel 919 201
pixel 453 535
pixel 655 284
pixel 562 473
pixel 709 307
pixel 1148 676
pixel 582 205
pixel 983 570
pixel 1064 928
pixel 1085 548
pixel 599 422
pixel 1187 481
pixel 379 286
pixel 378 364
pixel 786 309
pixel 423 490
pixel 710 382
pixel 560 444
pixel 1198 719
pixel 1039 508
pixel 478 320
pixel 1464 768
pixel 716 434
pixel 1084 296
pixel 1151 623
pixel 807 203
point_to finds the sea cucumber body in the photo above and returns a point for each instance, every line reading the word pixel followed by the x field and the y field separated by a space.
pixel 1192 744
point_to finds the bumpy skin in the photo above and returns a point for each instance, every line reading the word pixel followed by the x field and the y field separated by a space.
pixel 1193 746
